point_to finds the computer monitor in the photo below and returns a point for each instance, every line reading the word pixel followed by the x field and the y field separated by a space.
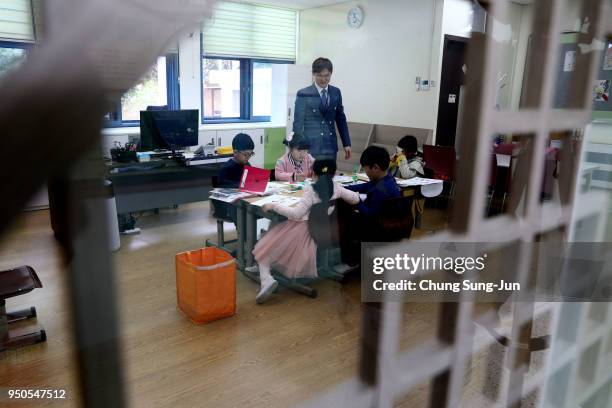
pixel 168 129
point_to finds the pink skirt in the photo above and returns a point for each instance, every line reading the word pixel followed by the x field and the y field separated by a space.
pixel 289 248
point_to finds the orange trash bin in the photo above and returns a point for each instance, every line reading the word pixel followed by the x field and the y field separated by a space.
pixel 206 284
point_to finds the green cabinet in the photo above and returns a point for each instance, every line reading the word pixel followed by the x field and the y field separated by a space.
pixel 273 146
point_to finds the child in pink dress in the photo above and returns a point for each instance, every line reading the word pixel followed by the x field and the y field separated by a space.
pixel 288 246
pixel 296 164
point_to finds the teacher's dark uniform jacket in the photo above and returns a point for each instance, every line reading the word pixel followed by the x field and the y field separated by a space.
pixel 318 124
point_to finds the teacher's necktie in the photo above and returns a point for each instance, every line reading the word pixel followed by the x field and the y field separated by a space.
pixel 324 98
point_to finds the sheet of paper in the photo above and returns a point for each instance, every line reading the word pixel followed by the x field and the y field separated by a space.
pixel 569 63
pixel 607 65
pixel 503 160
pixel 284 200
pixel 343 179
pixel 416 181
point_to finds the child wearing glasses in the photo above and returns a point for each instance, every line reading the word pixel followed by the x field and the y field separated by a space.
pixel 288 246
pixel 230 174
pixel 296 164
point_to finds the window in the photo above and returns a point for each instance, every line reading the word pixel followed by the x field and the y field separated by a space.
pixel 262 89
pixel 12 55
pixel 221 88
pixel 158 87
pixel 240 48
pixel 236 89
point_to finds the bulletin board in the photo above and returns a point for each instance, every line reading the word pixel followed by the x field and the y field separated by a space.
pixel 602 88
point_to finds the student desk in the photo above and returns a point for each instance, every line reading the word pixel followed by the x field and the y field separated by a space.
pixel 247 215
pixel 246 228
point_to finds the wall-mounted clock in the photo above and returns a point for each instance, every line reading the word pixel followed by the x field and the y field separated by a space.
pixel 354 18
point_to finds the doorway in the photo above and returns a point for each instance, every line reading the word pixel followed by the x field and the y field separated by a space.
pixel 453 75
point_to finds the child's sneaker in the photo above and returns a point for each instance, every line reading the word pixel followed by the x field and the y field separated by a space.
pixel 252 269
pixel 267 289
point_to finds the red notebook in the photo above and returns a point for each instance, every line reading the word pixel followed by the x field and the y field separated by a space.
pixel 254 180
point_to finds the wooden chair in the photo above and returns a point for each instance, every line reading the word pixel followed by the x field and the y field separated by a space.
pixel 15 282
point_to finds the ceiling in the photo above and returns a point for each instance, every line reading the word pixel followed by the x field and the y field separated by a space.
pixel 294 4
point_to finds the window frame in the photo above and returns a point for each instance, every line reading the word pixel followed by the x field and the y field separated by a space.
pixel 26 46
pixel 173 93
pixel 246 88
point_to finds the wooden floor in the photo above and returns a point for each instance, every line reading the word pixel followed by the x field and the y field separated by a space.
pixel 272 355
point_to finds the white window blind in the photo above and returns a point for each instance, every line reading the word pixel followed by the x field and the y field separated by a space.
pixel 251 31
pixel 16 20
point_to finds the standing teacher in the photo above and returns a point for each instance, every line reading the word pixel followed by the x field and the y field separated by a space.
pixel 318 110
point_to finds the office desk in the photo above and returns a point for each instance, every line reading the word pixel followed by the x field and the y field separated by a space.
pixel 173 184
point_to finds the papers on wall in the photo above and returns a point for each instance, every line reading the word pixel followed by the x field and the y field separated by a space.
pixel 607 65
pixel 569 62
pixel 283 200
pixel 601 90
pixel 228 195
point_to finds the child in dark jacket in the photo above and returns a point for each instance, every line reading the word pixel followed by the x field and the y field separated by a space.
pixel 361 225
pixel 231 172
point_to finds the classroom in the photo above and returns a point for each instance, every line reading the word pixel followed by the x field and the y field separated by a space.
pixel 306 203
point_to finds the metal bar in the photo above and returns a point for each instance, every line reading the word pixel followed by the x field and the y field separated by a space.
pixel 251 234
pixel 92 289
pixel 240 233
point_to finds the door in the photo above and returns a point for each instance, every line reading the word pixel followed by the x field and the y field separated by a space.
pixel 453 74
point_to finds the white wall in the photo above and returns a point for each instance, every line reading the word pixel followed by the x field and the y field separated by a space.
pixel 376 65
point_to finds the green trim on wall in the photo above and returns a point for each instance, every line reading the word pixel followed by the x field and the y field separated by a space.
pixel 273 146
pixel 569 38
pixel 602 115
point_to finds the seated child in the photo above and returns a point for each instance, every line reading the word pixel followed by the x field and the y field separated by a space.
pixel 362 225
pixel 296 164
pixel 231 172
pixel 407 162
pixel 288 246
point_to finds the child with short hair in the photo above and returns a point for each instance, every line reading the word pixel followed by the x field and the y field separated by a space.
pixel 231 172
pixel 407 162
pixel 288 246
pixel 362 226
